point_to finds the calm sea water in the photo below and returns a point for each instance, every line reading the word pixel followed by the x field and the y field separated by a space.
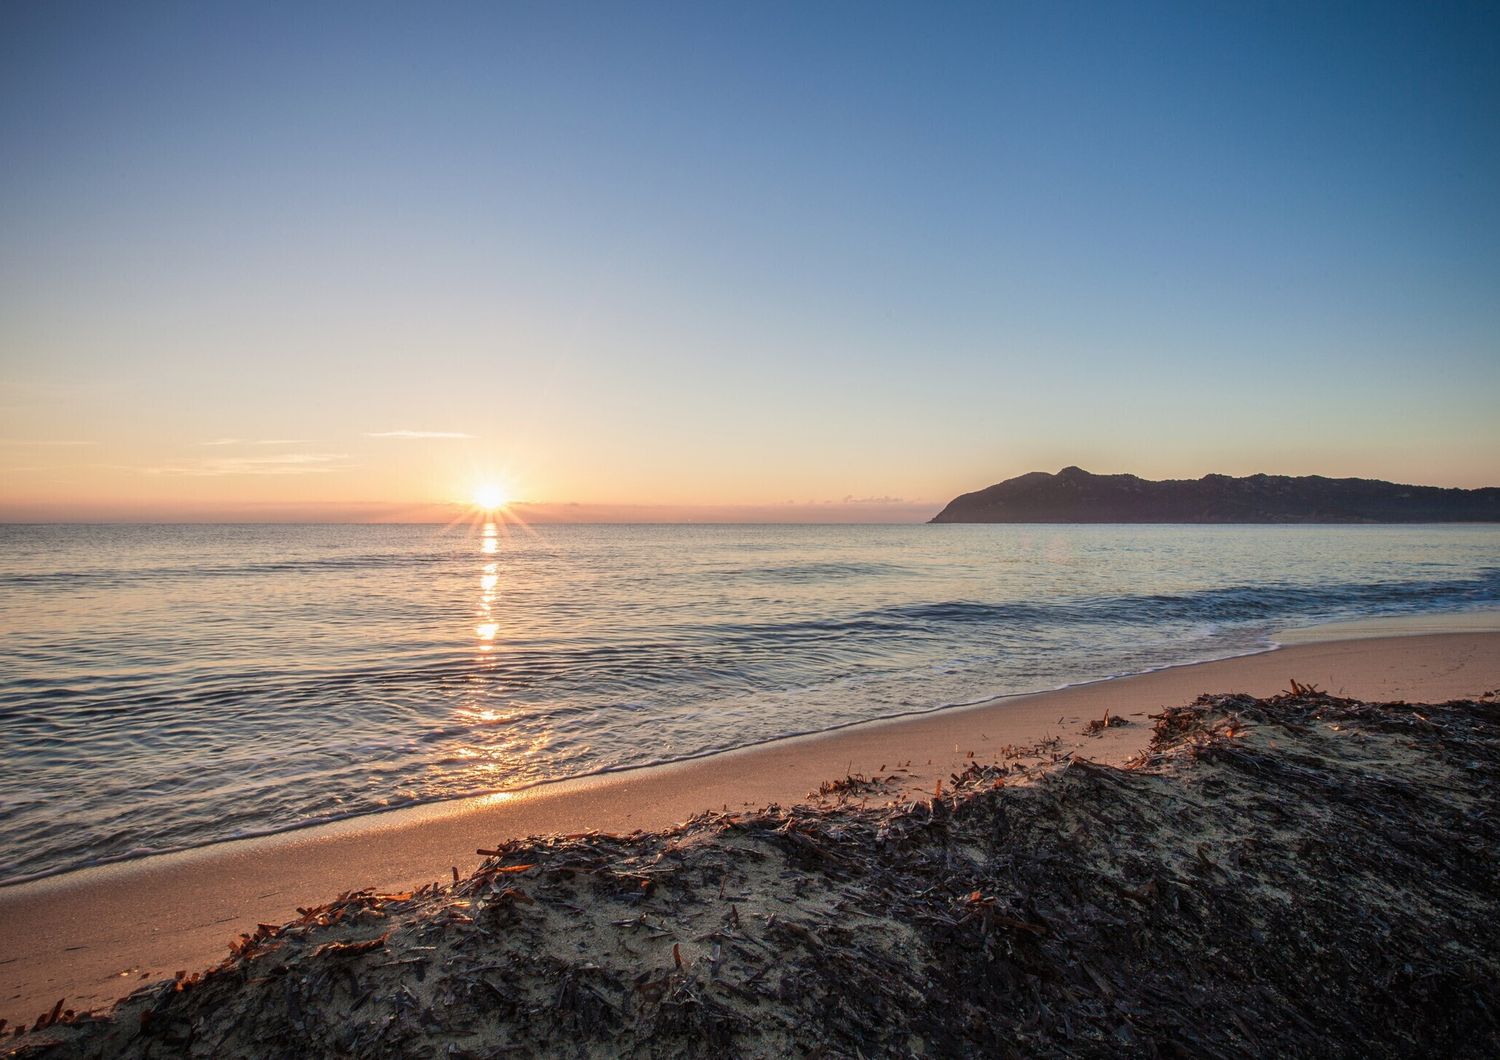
pixel 167 686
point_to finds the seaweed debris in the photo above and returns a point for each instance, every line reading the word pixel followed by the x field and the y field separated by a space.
pixel 1302 875
pixel 1098 725
pixel 853 785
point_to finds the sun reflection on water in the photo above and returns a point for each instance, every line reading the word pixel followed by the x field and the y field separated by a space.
pixel 489 580
pixel 498 748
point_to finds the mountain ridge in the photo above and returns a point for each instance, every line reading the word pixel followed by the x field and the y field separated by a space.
pixel 1074 495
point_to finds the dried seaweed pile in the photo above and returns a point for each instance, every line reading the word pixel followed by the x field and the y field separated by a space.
pixel 1303 875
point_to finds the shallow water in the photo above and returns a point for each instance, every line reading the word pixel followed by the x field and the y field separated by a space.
pixel 167 686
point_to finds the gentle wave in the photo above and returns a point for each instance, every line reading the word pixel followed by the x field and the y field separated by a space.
pixel 652 661
pixel 642 763
pixel 107 578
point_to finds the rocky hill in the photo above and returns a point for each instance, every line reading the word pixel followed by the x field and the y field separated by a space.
pixel 1076 496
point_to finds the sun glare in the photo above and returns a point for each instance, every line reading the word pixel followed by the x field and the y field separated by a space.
pixel 491 496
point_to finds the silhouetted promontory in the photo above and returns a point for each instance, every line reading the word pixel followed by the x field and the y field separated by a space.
pixel 1073 495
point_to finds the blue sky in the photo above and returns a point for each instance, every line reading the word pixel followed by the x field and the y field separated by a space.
pixel 740 254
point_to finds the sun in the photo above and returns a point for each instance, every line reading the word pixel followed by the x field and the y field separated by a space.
pixel 490 496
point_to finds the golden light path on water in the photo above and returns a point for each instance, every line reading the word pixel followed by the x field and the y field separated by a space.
pixel 488 580
pixel 494 750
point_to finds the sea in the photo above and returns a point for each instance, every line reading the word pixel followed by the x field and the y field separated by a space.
pixel 164 687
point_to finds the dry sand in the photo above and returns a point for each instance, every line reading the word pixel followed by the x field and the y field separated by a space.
pixel 93 936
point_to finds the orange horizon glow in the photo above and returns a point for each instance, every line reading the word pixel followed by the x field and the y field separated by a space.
pixel 425 482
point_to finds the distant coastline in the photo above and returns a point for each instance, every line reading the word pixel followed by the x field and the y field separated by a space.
pixel 1074 495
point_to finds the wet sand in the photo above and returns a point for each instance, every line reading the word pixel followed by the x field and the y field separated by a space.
pixel 93 936
pixel 1404 625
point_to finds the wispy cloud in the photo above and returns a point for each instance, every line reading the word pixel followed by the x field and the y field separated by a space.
pixel 417 434
pixel 280 464
pixel 256 441
pixel 43 441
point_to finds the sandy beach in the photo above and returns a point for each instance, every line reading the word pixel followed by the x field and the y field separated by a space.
pixel 94 936
pixel 961 531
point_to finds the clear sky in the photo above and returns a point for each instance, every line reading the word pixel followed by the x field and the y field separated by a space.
pixel 858 257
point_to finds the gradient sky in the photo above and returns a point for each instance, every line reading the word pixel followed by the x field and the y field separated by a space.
pixel 737 254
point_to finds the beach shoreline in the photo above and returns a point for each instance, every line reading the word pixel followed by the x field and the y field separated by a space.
pixel 1478 621
pixel 94 935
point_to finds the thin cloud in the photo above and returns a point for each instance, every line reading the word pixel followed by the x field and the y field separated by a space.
pixel 417 434
pixel 256 441
pixel 281 464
